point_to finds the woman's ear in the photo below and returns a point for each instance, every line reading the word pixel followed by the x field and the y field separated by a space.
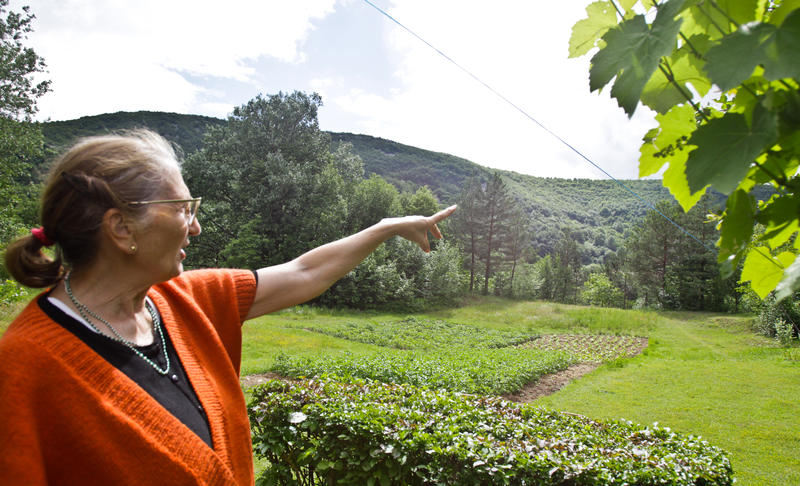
pixel 119 230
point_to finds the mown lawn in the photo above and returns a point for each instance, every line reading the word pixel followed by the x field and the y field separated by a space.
pixel 702 374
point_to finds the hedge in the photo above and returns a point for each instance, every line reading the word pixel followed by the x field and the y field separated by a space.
pixel 328 432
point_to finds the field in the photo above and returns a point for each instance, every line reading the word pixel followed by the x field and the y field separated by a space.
pixel 701 374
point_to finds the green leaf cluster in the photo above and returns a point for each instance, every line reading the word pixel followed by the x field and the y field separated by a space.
pixel 329 432
pixel 668 55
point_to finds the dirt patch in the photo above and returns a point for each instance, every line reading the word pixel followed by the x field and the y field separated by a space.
pixel 549 384
pixel 253 380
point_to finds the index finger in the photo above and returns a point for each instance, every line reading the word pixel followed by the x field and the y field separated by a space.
pixel 443 214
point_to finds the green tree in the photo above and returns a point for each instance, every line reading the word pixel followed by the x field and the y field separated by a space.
pixel 668 55
pixel 654 246
pixel 371 200
pixel 566 270
pixel 423 202
pixel 600 290
pixel 20 138
pixel 496 212
pixel 516 243
pixel 269 174
pixel 467 223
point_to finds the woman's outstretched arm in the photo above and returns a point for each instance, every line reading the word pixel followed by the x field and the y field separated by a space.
pixel 310 274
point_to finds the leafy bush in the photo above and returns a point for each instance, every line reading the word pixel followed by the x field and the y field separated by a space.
pixel 326 432
pixel 599 290
pixel 492 371
pixel 415 333
pixel 784 332
pixel 778 319
pixel 11 291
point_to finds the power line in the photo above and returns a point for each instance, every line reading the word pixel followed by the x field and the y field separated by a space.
pixel 534 120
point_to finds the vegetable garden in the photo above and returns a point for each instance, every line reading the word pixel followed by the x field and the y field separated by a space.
pixel 421 406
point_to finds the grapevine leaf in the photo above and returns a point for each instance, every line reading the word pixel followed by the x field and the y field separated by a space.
pixel 726 147
pixel 632 53
pixel 661 94
pixel 736 229
pixel 782 56
pixel 741 11
pixel 675 180
pixel 780 13
pixel 586 32
pixel 779 217
pixel 704 17
pixel 777 48
pixel 734 59
pixel 790 282
pixel 674 127
pixel 763 270
pixel 627 4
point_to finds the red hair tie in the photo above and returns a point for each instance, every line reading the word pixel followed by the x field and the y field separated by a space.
pixel 38 233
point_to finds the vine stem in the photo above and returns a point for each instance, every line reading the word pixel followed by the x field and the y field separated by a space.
pixel 619 12
pixel 723 12
pixel 711 19
pixel 667 72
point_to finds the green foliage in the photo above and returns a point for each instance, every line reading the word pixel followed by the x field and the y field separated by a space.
pixel 18 66
pixel 11 291
pixel 414 333
pixel 372 433
pixel 599 290
pixel 493 371
pixel 268 173
pixel 671 270
pixel 20 145
pixel 778 319
pixel 20 139
pixel 667 55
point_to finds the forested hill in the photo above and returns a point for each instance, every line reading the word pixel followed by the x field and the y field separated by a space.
pixel 185 130
pixel 596 213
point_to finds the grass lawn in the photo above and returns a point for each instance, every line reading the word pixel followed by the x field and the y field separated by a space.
pixel 702 374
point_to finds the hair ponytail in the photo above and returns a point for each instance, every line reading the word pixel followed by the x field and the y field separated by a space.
pixel 30 266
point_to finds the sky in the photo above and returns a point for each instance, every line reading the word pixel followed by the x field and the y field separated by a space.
pixel 206 57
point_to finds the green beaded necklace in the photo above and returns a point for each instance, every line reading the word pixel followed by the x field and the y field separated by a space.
pixel 156 324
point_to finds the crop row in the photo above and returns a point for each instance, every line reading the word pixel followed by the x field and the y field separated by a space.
pixel 414 333
pixel 327 432
pixel 489 371
pixel 590 347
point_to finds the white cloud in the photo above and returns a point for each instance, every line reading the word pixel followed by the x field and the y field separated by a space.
pixel 117 54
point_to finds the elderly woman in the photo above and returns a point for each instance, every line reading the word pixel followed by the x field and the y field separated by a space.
pixel 126 370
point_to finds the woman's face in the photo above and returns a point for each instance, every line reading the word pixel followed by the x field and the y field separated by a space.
pixel 163 240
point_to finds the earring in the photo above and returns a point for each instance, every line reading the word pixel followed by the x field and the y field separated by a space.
pixel 133 248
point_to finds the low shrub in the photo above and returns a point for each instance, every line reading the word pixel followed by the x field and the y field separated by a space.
pixel 327 432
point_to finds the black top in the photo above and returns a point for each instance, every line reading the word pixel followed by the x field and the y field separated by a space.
pixel 173 390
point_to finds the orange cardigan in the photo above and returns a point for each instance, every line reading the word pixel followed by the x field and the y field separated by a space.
pixel 67 416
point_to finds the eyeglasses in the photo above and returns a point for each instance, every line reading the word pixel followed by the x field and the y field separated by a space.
pixel 190 210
